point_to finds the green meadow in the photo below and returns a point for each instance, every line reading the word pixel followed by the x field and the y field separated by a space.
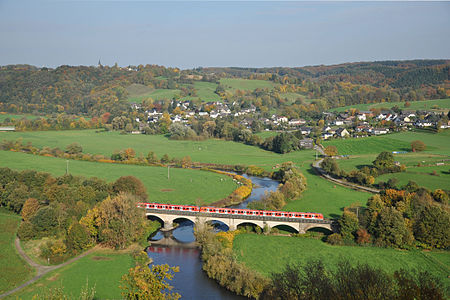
pixel 233 84
pixel 184 186
pixel 438 104
pixel 102 269
pixel 436 177
pixel 212 151
pixel 437 143
pixel 205 92
pixel 267 254
pixel 422 167
pixel 16 117
pixel 14 269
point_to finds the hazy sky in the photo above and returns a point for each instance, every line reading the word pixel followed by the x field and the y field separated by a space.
pixel 192 34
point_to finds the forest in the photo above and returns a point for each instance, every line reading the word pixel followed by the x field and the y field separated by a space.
pixel 93 91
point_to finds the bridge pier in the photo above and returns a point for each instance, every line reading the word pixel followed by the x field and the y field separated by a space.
pixel 302 226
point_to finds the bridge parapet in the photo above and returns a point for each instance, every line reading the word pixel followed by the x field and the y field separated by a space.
pixel 232 221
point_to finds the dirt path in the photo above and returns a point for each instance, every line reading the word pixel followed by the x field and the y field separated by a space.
pixel 316 166
pixel 40 269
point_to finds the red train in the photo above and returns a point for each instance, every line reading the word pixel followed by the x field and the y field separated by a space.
pixel 233 211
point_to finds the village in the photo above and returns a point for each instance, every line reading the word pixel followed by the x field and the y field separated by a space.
pixel 330 125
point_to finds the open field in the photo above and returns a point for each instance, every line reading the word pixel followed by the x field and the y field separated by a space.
pixel 245 84
pixel 157 94
pixel 205 92
pixel 437 143
pixel 268 254
pixel 292 97
pixel 364 151
pixel 214 151
pixel 325 197
pixel 103 269
pixel 4 116
pixel 438 104
pixel 423 176
pixel 184 187
pixel 14 270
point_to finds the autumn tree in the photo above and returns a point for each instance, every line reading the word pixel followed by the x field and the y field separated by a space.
pixel 119 222
pixel 30 207
pixel 390 229
pixel 433 227
pixel 348 226
pixel 384 160
pixel 144 282
pixel 331 150
pixel 132 185
pixel 418 146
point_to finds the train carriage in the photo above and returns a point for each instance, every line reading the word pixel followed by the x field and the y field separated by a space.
pixel 232 211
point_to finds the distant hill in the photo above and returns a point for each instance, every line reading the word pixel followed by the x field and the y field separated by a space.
pixel 95 90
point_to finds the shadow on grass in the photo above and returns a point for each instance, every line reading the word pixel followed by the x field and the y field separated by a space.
pixel 359 167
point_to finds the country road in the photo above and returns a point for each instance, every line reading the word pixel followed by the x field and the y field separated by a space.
pixel 316 166
pixel 40 269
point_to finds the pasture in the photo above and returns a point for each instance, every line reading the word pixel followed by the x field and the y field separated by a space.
pixel 437 143
pixel 184 186
pixel 14 269
pixel 205 92
pixel 437 104
pixel 233 84
pixel 102 269
pixel 4 116
pixel 212 151
pixel 267 254
pixel 436 177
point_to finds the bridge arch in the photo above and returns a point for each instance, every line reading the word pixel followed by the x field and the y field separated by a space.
pixel 219 224
pixel 324 228
pixel 286 227
pixel 250 223
pixel 155 218
pixel 183 218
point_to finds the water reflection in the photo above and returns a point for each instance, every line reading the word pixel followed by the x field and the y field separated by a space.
pixel 191 282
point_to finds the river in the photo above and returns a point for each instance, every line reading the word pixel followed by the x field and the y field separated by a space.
pixel 191 282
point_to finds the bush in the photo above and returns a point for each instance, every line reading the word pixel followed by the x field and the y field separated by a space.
pixel 77 238
pixel 335 239
pixel 26 231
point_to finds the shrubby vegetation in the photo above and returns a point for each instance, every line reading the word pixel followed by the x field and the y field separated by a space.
pixel 397 218
pixel 220 264
pixel 144 282
pixel 315 280
pixel 384 163
pixel 293 183
pixel 73 210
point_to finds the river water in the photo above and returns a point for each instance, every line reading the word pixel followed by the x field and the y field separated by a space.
pixel 191 282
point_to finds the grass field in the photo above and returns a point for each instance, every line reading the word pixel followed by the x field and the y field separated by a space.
pixel 437 143
pixel 184 187
pixel 325 197
pixel 267 254
pixel 438 104
pixel 364 151
pixel 205 92
pixel 423 176
pixel 233 84
pixel 14 270
pixel 4 116
pixel 103 269
pixel 214 151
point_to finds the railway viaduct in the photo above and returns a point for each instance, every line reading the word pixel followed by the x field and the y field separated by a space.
pixel 233 221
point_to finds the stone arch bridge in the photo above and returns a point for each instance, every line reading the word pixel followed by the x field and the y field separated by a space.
pixel 233 221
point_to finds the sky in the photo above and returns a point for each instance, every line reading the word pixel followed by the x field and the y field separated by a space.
pixel 189 34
